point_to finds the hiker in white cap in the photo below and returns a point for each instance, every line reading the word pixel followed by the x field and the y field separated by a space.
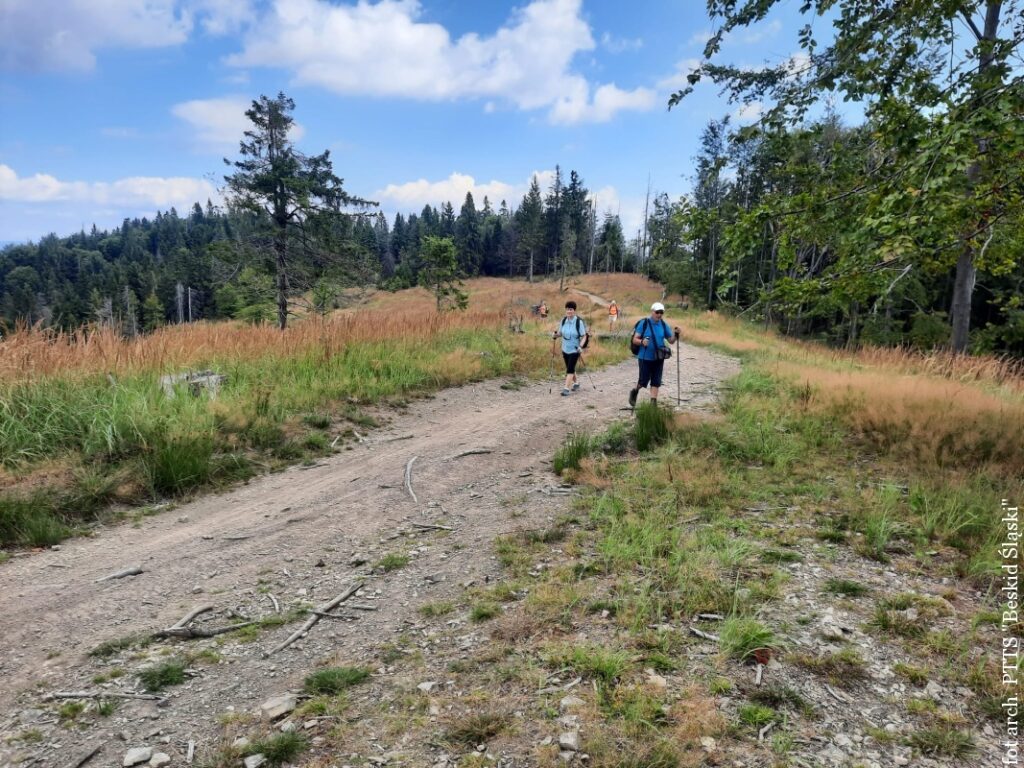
pixel 652 337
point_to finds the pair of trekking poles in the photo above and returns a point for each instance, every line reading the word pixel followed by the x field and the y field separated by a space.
pixel 551 369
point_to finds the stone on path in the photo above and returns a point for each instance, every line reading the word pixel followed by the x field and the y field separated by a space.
pixel 279 706
pixel 137 755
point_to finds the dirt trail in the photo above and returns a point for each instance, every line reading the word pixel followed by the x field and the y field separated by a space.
pixel 294 534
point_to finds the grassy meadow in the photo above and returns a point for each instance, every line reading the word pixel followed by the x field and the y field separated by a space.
pixel 85 426
pixel 880 471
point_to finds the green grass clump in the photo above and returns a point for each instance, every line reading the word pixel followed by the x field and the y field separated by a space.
pixel 740 637
pixel 652 426
pixel 178 463
pixel 70 710
pixel 595 662
pixel 943 741
pixel 576 448
pixel 113 647
pixel 845 587
pixel 433 610
pixel 484 611
pixel 478 727
pixel 333 680
pixel 280 748
pixel 160 676
pixel 756 715
pixel 392 562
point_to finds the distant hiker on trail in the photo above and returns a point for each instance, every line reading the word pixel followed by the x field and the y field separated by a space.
pixel 573 332
pixel 652 336
pixel 542 310
pixel 613 316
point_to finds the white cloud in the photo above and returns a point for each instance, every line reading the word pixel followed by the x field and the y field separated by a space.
pixel 413 195
pixel 63 35
pixel 384 49
pixel 137 191
pixel 678 78
pixel 763 31
pixel 220 123
pixel 621 44
pixel 59 35
pixel 699 38
pixel 219 17
pixel 748 113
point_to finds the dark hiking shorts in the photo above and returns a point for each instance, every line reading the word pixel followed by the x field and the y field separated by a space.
pixel 570 361
pixel 650 372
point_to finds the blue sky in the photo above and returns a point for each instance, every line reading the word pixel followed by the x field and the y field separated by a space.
pixel 118 108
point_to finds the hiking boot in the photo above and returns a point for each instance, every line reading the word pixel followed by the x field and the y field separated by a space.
pixel 632 397
pixel 575 386
pixel 565 393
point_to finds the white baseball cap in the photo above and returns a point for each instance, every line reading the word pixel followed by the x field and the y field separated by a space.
pixel 657 307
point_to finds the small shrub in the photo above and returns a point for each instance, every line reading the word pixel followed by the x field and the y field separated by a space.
pixel 845 587
pixel 317 420
pixel 756 715
pixel 576 448
pixel 484 611
pixel 433 610
pixel 70 710
pixel 392 562
pixel 477 728
pixel 160 676
pixel 741 637
pixel 176 464
pixel 652 426
pixel 943 741
pixel 334 680
pixel 280 748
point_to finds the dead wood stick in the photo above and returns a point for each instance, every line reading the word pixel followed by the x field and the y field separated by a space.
pixel 308 625
pixel 474 452
pixel 760 673
pixel 190 616
pixel 764 731
pixel 100 695
pixel 432 527
pixel 187 633
pixel 277 608
pixel 132 571
pixel 362 607
pixel 711 616
pixel 191 752
pixel 408 479
pixel 336 616
pixel 237 538
pixel 334 442
pixel 85 757
pixel 705 635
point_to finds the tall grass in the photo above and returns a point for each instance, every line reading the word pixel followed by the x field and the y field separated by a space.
pixel 92 399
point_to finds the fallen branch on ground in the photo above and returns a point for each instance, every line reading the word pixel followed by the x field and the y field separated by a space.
pixel 308 625
pixel 705 635
pixel 100 695
pixel 474 452
pixel 133 571
pixel 182 629
pixel 277 608
pixel 408 479
pixel 432 527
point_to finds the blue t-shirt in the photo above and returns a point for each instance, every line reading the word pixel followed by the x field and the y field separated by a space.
pixel 570 338
pixel 657 331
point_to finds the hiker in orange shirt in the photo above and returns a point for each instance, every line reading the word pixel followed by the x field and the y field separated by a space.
pixel 613 316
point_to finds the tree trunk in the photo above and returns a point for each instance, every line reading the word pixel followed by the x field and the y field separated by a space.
pixel 963 289
pixel 963 284
pixel 281 250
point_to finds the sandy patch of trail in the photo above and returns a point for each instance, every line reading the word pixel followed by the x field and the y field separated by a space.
pixel 294 535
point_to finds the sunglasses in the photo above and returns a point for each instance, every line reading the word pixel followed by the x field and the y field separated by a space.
pixel 659 311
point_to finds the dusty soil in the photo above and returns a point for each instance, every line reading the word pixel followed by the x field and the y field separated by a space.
pixel 291 537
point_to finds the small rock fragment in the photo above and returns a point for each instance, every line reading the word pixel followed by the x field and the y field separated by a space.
pixel 569 741
pixel 160 759
pixel 254 761
pixel 279 706
pixel 137 755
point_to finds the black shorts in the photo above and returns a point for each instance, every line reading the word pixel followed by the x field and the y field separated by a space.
pixel 650 372
pixel 570 361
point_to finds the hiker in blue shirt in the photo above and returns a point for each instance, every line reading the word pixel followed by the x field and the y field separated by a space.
pixel 573 332
pixel 653 336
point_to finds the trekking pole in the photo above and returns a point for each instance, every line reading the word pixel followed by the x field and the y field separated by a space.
pixel 679 398
pixel 586 368
pixel 551 367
